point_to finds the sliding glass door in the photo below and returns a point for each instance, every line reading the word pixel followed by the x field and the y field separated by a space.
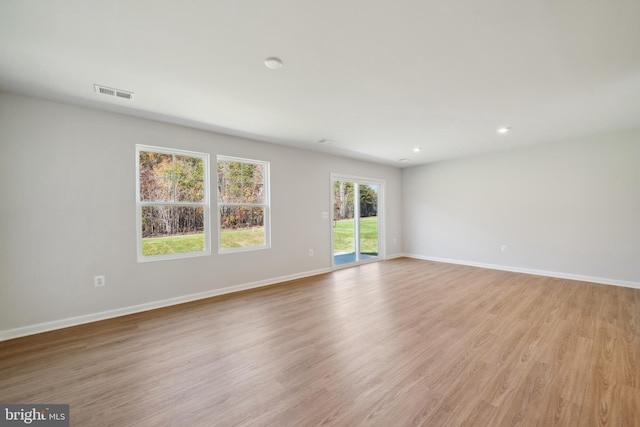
pixel 356 220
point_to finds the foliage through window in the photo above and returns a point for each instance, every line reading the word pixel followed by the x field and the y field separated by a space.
pixel 243 204
pixel 343 206
pixel 172 203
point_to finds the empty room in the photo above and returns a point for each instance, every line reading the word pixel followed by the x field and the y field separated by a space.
pixel 343 213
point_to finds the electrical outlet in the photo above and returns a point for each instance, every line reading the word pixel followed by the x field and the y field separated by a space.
pixel 503 248
pixel 310 252
pixel 98 281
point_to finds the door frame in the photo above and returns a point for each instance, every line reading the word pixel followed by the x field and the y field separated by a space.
pixel 381 216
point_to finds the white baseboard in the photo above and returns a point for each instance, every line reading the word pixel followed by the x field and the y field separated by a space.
pixel 94 317
pixel 600 280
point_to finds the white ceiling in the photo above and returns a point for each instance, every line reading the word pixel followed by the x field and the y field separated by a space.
pixel 377 77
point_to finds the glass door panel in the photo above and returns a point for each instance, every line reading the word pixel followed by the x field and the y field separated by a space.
pixel 356 227
pixel 368 197
pixel 344 236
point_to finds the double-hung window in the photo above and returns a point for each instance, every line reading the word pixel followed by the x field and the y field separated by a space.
pixel 172 203
pixel 243 204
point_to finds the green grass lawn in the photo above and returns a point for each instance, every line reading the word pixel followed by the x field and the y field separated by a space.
pixel 343 236
pixel 173 244
pixel 242 238
pixel 195 242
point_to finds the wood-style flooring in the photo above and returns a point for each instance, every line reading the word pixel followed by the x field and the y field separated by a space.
pixel 395 343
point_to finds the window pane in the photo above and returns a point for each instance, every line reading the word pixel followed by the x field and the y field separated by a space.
pixel 154 164
pixel 156 189
pixel 156 184
pixel 229 190
pixel 253 188
pixel 240 182
pixel 189 176
pixel 241 227
pixel 169 178
pixel 172 230
pixel 368 219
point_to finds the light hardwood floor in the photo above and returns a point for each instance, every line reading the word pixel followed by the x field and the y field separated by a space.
pixel 396 343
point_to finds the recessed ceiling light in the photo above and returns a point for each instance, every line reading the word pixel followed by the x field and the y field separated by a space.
pixel 273 62
pixel 403 160
pixel 417 149
pixel 503 130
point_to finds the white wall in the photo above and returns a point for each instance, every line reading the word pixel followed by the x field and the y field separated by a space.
pixel 571 209
pixel 67 182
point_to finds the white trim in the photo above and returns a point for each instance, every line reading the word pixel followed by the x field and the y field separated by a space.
pixel 94 317
pixel 174 151
pixel 234 159
pixel 242 248
pixel 559 275
pixel 356 178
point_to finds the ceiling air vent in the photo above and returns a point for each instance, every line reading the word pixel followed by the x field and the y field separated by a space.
pixel 113 92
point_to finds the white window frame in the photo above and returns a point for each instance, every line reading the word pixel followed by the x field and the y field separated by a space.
pixel 206 204
pixel 266 205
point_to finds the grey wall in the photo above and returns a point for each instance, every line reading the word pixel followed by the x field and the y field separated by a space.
pixel 67 182
pixel 571 207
